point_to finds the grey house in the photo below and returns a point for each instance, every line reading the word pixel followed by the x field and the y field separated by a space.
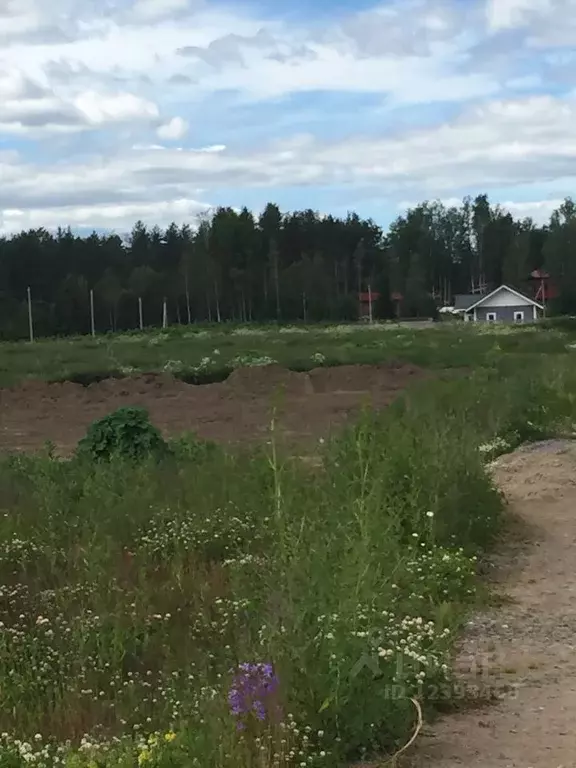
pixel 503 305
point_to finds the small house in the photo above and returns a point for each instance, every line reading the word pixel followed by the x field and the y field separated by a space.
pixel 503 305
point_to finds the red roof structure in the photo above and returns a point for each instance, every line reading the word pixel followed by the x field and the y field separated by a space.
pixel 544 288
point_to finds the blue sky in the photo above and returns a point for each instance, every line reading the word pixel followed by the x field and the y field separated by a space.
pixel 114 110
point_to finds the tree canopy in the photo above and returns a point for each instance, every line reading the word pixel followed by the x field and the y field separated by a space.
pixel 276 267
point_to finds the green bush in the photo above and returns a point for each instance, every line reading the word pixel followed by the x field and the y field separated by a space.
pixel 126 433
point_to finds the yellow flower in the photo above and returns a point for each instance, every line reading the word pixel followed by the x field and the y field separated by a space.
pixel 144 756
pixel 170 736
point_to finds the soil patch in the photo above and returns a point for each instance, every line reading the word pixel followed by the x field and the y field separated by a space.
pixel 307 406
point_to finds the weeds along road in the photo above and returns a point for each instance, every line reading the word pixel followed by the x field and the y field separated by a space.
pixel 526 650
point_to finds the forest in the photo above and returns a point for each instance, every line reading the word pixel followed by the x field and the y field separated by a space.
pixel 277 267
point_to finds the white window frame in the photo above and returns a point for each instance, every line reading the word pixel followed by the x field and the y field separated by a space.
pixel 518 316
pixel 491 317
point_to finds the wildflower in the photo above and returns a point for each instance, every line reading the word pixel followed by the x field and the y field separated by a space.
pixel 144 756
pixel 252 690
pixel 170 736
pixel 429 513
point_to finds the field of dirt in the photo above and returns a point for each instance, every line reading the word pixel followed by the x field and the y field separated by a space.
pixel 308 405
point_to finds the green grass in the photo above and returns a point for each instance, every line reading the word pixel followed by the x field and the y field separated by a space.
pixel 203 354
pixel 131 592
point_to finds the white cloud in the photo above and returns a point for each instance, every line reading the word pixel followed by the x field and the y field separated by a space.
pixel 29 108
pixel 537 210
pixel 136 73
pixel 100 108
pixel 19 17
pixel 507 143
pixel 119 217
pixel 506 14
pixel 411 49
pixel 176 128
pixel 154 9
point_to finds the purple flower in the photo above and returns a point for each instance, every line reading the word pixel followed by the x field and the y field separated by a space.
pixel 252 691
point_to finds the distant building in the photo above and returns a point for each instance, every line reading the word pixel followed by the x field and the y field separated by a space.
pixel 544 288
pixel 502 305
pixel 464 300
pixel 367 300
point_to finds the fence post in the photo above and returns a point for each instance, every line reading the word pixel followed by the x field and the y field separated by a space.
pixel 140 313
pixel 370 303
pixel 92 324
pixel 30 321
pixel 164 315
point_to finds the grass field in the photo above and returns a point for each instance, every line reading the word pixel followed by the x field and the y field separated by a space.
pixel 229 609
pixel 208 353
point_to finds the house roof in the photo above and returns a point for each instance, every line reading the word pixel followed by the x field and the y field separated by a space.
pixel 482 299
pixel 463 300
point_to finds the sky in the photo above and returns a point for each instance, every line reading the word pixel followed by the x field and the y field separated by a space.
pixel 159 110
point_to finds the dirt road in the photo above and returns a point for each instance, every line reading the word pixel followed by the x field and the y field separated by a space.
pixel 529 644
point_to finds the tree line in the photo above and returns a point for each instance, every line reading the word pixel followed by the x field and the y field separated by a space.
pixel 287 267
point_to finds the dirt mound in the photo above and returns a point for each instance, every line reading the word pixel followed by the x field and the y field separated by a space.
pixel 538 471
pixel 268 379
pixel 236 410
pixel 362 378
pixel 153 384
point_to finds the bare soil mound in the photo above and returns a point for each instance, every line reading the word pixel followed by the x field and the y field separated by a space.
pixel 349 379
pixel 307 406
pixel 263 380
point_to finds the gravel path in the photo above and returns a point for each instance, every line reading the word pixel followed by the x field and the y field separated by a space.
pixel 524 651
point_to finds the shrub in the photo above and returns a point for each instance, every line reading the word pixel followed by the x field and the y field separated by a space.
pixel 189 447
pixel 126 433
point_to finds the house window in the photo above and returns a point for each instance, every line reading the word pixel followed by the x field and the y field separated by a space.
pixel 491 317
pixel 518 317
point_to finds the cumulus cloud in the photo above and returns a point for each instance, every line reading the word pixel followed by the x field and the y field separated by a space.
pixel 154 9
pixel 507 14
pixel 28 108
pixel 426 94
pixel 118 217
pixel 100 108
pixel 537 210
pixel 484 148
pixel 176 128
